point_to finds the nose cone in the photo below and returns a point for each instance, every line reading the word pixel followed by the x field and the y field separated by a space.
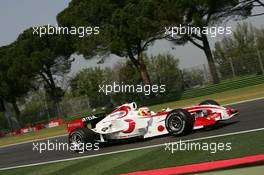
pixel 232 111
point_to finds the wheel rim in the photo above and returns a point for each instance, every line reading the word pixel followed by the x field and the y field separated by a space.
pixel 175 123
pixel 76 141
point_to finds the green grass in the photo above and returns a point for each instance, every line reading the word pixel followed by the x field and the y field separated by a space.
pixel 230 84
pixel 223 98
pixel 151 158
pixel 43 133
pixel 226 97
pixel 225 85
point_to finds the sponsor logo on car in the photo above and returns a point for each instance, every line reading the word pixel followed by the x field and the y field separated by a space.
pixel 89 118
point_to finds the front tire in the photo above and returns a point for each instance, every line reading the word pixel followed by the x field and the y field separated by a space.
pixel 179 122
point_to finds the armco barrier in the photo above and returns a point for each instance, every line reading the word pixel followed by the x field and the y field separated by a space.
pixel 54 123
pixel 50 124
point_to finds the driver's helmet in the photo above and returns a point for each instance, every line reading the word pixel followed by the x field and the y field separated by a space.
pixel 144 111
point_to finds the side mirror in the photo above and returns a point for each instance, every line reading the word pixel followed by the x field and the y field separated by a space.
pixel 134 105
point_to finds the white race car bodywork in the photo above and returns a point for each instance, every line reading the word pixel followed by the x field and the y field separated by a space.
pixel 126 122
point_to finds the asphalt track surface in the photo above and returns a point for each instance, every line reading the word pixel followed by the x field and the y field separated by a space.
pixel 251 117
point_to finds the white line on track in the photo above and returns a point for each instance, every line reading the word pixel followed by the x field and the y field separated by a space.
pixel 133 149
pixel 29 141
pixel 244 101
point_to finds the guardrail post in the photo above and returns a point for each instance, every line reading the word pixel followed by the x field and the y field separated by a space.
pixel 205 73
pixel 260 62
pixel 232 67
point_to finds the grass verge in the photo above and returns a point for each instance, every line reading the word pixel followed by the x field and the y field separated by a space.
pixel 226 97
pixel 43 133
pixel 151 158
pixel 230 96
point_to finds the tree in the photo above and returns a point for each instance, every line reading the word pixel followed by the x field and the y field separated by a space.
pixel 259 34
pixel 193 77
pixel 248 4
pixel 49 57
pixel 205 13
pixel 239 51
pixel 3 123
pixel 168 73
pixel 87 82
pixel 126 73
pixel 15 79
pixel 127 28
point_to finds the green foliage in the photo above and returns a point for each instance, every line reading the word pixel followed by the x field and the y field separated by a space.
pixel 15 79
pixel 87 82
pixel 124 25
pixel 202 13
pixel 32 58
pixel 15 76
pixel 3 122
pixel 49 56
pixel 241 49
pixel 164 70
pixel 126 73
pixel 127 28
pixel 259 34
pixel 193 77
pixel 34 109
pixel 205 13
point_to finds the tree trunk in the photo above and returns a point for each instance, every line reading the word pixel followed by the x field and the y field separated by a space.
pixel 210 59
pixel 53 93
pixel 143 70
pixel 140 66
pixel 50 78
pixel 7 114
pixel 17 112
pixel 59 112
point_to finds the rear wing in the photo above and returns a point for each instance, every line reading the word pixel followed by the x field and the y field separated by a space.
pixel 89 122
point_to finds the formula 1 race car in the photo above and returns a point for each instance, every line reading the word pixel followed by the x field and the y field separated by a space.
pixel 128 121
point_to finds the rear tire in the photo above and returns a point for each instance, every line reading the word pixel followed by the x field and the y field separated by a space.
pixel 179 122
pixel 209 102
pixel 80 137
